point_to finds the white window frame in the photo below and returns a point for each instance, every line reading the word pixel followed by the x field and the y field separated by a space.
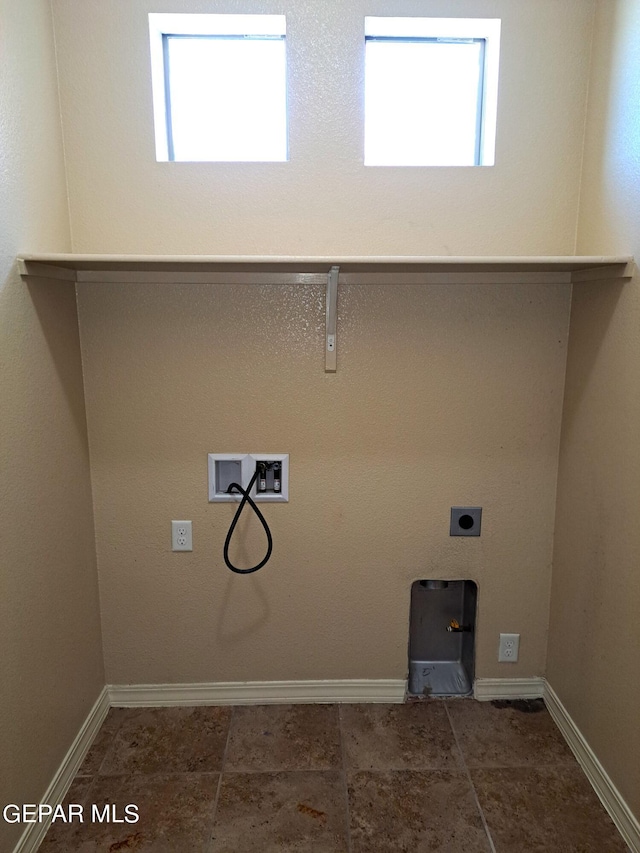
pixel 191 24
pixel 487 29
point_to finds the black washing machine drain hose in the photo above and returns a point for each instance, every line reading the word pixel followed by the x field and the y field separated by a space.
pixel 246 499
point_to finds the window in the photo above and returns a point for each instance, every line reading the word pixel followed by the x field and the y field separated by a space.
pixel 219 87
pixel 431 89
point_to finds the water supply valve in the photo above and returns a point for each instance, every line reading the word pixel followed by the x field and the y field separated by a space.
pixel 269 477
pixel 272 480
pixel 454 627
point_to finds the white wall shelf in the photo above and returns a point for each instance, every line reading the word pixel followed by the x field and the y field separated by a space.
pixel 273 269
pixel 327 271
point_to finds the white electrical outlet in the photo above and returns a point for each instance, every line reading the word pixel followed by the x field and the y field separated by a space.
pixel 181 536
pixel 508 649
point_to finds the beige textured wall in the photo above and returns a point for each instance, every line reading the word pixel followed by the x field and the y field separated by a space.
pixel 443 396
pixel 595 632
pixel 51 664
pixel 456 390
pixel 324 201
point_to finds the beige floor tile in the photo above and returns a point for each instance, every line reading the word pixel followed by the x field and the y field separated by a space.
pixel 176 814
pixel 284 737
pixel 501 735
pixel 302 811
pixel 58 838
pixel 414 811
pixel 102 742
pixel 398 737
pixel 283 788
pixel 169 740
pixel 544 810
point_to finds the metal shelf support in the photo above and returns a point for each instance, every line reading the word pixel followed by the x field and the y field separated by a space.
pixel 331 348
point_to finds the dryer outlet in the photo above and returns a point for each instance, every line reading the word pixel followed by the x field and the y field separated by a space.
pixel 465 521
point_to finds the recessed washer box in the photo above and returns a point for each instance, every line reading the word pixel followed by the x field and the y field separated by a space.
pixel 227 468
pixel 465 521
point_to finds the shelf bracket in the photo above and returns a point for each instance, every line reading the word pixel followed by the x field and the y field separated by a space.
pixel 331 344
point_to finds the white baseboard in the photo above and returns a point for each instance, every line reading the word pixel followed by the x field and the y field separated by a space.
pixel 257 692
pixel 611 799
pixel 486 689
pixel 32 837
pixel 274 692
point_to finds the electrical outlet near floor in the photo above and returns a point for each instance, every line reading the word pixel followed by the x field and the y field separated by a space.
pixel 181 536
pixel 508 648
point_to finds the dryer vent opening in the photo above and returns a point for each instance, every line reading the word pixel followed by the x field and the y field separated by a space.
pixel 442 630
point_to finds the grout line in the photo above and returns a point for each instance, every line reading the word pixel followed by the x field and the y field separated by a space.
pixel 156 774
pixel 473 787
pixel 86 801
pixel 524 766
pixel 270 772
pixel 209 846
pixel 344 776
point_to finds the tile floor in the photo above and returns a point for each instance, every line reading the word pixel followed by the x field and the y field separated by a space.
pixel 454 776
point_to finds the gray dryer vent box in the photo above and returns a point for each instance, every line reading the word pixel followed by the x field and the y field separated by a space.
pixel 465 521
